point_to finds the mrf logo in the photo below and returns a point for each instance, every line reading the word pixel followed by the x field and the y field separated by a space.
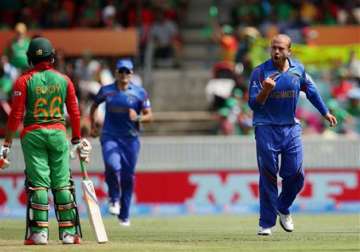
pixel 320 188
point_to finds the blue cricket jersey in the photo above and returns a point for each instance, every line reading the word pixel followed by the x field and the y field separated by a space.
pixel 118 102
pixel 279 108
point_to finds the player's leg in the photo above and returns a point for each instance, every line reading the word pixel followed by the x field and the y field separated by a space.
pixel 62 188
pixel 112 161
pixel 267 158
pixel 37 183
pixel 130 151
pixel 291 170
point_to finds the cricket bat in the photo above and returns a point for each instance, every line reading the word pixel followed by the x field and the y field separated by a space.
pixel 92 206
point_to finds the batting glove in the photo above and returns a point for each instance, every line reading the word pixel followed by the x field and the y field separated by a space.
pixel 83 148
pixel 4 153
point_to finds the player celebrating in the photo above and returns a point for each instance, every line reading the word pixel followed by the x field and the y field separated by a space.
pixel 127 105
pixel 43 92
pixel 274 92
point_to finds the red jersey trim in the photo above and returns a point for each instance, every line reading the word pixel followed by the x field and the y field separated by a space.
pixel 57 126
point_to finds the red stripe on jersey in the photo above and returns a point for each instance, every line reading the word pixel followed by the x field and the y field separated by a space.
pixel 57 126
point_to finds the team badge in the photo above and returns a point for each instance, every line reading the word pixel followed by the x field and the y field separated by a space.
pixel 131 99
pixel 39 52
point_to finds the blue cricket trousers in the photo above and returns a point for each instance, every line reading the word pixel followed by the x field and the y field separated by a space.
pixel 272 141
pixel 120 155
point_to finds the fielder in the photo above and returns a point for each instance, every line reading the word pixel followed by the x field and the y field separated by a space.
pixel 274 91
pixel 42 92
pixel 127 105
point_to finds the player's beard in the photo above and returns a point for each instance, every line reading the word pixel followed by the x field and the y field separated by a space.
pixel 279 59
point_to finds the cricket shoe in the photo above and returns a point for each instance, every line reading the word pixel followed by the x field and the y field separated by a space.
pixel 114 208
pixel 264 231
pixel 286 222
pixel 124 223
pixel 68 238
pixel 40 238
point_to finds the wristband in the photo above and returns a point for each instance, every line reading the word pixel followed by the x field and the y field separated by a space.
pixel 75 140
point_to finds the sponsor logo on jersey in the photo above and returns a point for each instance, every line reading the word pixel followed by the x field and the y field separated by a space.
pixel 17 93
pixel 283 94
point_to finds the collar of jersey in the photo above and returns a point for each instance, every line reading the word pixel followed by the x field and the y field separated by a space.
pixel 269 66
pixel 129 87
pixel 43 66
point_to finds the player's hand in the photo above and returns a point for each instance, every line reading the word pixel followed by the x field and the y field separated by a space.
pixel 4 151
pixel 331 119
pixel 269 83
pixel 134 116
pixel 82 148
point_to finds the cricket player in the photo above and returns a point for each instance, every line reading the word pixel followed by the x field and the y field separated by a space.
pixel 274 91
pixel 42 93
pixel 127 105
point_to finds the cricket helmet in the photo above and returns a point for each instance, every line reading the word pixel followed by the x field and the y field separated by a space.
pixel 40 48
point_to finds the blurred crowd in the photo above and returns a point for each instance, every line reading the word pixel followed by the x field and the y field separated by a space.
pixel 42 14
pixel 159 23
pixel 254 20
pixel 339 86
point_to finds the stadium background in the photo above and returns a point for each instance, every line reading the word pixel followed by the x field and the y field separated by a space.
pixel 199 154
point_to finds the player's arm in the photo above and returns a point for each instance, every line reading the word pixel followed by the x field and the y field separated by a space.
pixel 99 98
pixel 15 118
pixel 312 94
pixel 79 145
pixel 72 107
pixel 94 131
pixel 17 110
pixel 267 86
pixel 145 114
pixel 259 89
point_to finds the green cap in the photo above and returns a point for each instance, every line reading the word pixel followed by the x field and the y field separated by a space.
pixel 40 48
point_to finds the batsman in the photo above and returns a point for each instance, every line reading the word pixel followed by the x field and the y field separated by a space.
pixel 38 100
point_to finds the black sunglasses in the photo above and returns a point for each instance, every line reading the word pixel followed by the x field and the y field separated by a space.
pixel 124 70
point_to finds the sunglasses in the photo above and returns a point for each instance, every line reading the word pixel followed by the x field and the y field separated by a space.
pixel 124 70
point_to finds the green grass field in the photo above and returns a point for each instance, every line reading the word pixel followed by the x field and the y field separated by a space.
pixel 320 233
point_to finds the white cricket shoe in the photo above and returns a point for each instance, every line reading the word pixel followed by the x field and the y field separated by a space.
pixel 114 208
pixel 40 238
pixel 286 222
pixel 264 231
pixel 68 238
pixel 124 223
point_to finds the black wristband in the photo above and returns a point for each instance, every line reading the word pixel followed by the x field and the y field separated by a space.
pixel 75 140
